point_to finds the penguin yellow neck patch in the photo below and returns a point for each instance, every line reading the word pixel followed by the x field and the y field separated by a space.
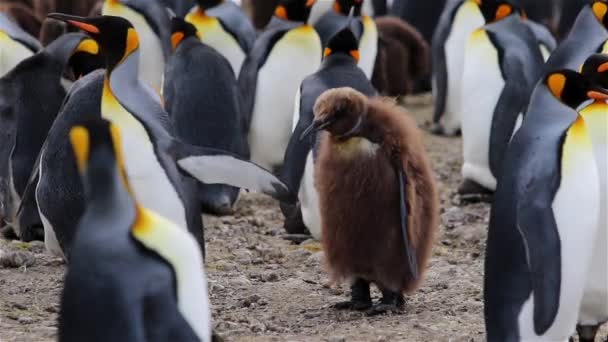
pixel 281 12
pixel 80 140
pixel 599 9
pixel 557 83
pixel 132 43
pixel 89 46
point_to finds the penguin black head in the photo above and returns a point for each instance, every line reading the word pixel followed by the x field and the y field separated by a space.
pixel 600 10
pixel 96 145
pixel 344 6
pixel 343 42
pixel 206 4
pixel 294 10
pixel 494 10
pixel 341 112
pixel 180 30
pixel 115 35
pixel 573 89
pixel 596 69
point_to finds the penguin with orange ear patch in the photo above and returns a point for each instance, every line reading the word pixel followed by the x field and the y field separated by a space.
pixel 377 197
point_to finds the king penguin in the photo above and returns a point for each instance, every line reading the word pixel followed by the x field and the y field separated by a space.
pixel 594 308
pixel 502 64
pixel 25 122
pixel 151 20
pixel 339 69
pixel 153 285
pixel 287 52
pixel 15 44
pixel 457 22
pixel 364 27
pixel 202 98
pixel 225 27
pixel 544 217
pixel 153 157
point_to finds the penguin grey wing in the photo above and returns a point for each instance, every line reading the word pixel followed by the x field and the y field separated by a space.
pixel 213 166
pixel 17 33
pixel 248 77
pixel 234 21
pixel 32 180
pixel 158 18
pixel 542 34
pixel 410 253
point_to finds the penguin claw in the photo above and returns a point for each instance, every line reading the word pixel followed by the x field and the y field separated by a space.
pixel 353 305
pixel 383 309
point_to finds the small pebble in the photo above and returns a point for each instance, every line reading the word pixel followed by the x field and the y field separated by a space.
pixel 336 339
pixel 269 277
pixel 25 320
pixel 17 259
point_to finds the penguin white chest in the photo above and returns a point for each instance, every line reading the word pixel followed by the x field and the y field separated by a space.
pixel 147 177
pixel 295 56
pixel 11 53
pixel 152 65
pixel 214 35
pixel 309 199
pixel 368 45
pixel 467 18
pixel 576 209
pixel 482 86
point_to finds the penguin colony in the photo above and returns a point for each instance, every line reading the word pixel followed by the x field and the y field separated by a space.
pixel 151 112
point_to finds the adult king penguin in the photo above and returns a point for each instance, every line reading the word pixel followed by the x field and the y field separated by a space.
pixel 15 44
pixel 154 286
pixel 339 69
pixel 594 307
pixel 457 22
pixel 502 64
pixel 224 26
pixel 30 99
pixel 202 98
pixel 364 28
pixel 287 52
pixel 151 21
pixel 152 155
pixel 543 222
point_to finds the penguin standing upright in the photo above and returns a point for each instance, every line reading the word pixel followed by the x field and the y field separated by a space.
pixel 339 69
pixel 281 58
pixel 364 28
pixel 502 64
pixel 152 154
pixel 543 222
pixel 458 20
pixel 15 44
pixel 224 26
pixel 423 15
pixel 202 98
pixel 151 20
pixel 377 197
pixel 594 307
pixel 30 96
pixel 154 286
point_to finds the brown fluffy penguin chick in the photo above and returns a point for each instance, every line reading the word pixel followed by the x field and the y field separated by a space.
pixel 366 147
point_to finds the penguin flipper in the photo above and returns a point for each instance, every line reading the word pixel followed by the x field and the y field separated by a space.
pixel 233 20
pixel 158 18
pixel 213 166
pixel 410 253
pixel 536 223
pixel 542 34
pixel 158 303
pixel 32 180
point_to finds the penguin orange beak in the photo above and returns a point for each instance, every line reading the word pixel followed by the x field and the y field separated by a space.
pixel 598 95
pixel 79 22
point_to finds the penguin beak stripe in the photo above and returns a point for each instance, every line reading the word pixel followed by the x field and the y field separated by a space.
pixel 85 27
pixel 603 67
pixel 596 95
pixel 316 126
pixel 79 138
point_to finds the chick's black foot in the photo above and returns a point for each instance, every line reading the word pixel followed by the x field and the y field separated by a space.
pixel 471 192
pixel 360 297
pixel 391 302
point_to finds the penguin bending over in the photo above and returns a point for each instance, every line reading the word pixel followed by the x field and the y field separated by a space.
pixel 134 276
pixel 15 44
pixel 30 99
pixel 544 217
pixel 364 28
pixel 287 52
pixel 151 21
pixel 339 69
pixel 502 64
pixel 202 98
pixel 153 157
pixel 377 197
pixel 224 26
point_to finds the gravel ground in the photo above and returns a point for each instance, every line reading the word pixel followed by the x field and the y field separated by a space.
pixel 264 288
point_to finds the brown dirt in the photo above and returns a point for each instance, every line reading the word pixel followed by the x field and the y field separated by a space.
pixel 264 288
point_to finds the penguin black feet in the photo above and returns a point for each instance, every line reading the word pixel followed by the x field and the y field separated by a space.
pixel 294 223
pixel 361 298
pixel 471 192
pixel 587 333
pixel 391 302
pixel 8 233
